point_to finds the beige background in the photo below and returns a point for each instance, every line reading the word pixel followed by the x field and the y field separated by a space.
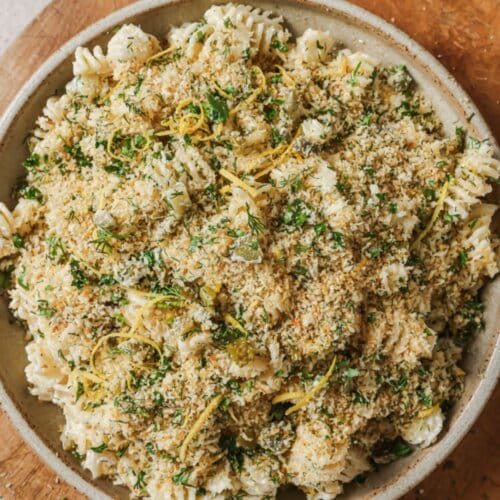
pixel 15 15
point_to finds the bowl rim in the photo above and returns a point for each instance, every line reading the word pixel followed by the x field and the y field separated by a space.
pixel 408 478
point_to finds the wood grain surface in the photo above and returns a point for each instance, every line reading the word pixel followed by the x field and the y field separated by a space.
pixel 464 35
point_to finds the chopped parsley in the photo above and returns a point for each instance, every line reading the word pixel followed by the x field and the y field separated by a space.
pixel 118 168
pixel 32 193
pixel 100 448
pixel 234 453
pixel 279 45
pixel 296 214
pixel 17 240
pixel 21 279
pixel 140 483
pixel 32 162
pixel 80 279
pixel 77 154
pixel 56 250
pixel 319 229
pixel 216 108
pixel 182 477
pixel 276 137
pixel 354 75
pixel 44 309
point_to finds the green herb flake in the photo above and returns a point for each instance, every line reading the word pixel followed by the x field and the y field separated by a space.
pixel 462 258
pixel 182 477
pixel 234 453
pixel 79 390
pixel 276 137
pixel 100 448
pixel 32 162
pixel 32 193
pixel 401 448
pixel 44 309
pixel 140 483
pixel 80 279
pixel 121 451
pixel 354 75
pixel 296 214
pixel 216 108
pixel 278 45
pixel 21 279
pixel 255 224
pixel 17 240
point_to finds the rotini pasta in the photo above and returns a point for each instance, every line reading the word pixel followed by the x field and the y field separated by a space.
pixel 88 63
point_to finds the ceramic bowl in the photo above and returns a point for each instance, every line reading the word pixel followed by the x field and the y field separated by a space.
pixel 39 423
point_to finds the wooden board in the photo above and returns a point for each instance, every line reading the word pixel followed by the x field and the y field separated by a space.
pixel 464 35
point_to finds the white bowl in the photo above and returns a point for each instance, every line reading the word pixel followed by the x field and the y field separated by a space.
pixel 39 423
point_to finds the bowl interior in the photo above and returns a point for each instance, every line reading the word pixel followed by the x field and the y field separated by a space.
pixel 352 28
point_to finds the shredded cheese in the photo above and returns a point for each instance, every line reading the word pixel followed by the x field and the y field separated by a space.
pixel 437 210
pixel 309 395
pixel 198 425
pixel 238 182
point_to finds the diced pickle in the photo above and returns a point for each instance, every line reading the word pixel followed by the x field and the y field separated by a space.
pixel 241 351
pixel 207 296
pixel 247 250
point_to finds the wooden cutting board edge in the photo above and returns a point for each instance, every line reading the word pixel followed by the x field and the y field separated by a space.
pixel 463 34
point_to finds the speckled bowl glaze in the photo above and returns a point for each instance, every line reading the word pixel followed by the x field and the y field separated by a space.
pixel 40 423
